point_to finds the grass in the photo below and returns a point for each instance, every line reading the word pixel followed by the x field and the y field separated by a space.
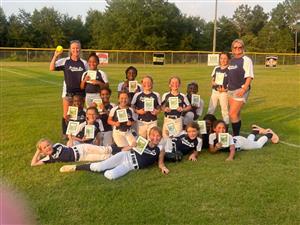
pixel 259 187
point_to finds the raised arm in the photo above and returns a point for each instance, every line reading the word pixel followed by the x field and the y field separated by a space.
pixel 54 58
pixel 36 159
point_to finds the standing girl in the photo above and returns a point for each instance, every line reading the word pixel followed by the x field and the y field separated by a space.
pixel 92 87
pixel 219 91
pixel 73 67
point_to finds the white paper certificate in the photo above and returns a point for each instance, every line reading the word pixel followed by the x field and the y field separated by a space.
pixel 171 129
pixel 89 131
pixel 73 112
pixel 202 126
pixel 219 78
pixel 148 104
pixel 141 144
pixel 173 103
pixel 132 86
pixel 224 139
pixel 195 100
pixel 122 115
pixel 72 127
pixel 92 74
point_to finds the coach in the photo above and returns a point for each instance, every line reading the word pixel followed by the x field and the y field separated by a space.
pixel 240 76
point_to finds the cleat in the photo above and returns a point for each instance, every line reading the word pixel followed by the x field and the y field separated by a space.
pixel 275 138
pixel 67 168
pixel 259 129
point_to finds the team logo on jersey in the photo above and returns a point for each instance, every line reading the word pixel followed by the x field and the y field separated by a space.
pixel 187 143
pixel 232 67
pixel 75 69
pixel 57 153
pixel 150 152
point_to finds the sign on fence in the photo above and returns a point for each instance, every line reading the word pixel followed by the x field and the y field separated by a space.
pixel 103 58
pixel 158 58
pixel 213 59
pixel 271 61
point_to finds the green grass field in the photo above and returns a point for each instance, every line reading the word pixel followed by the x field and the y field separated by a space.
pixel 258 187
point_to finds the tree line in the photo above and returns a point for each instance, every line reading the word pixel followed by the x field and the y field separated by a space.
pixel 154 25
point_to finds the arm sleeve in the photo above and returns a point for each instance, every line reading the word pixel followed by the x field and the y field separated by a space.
pixel 47 159
pixel 104 76
pixel 231 142
pixel 211 139
pixel 163 99
pixel 158 99
pixel 134 98
pixel 199 145
pixel 83 75
pixel 248 67
pixel 214 71
pixel 120 86
pixel 185 100
pixel 60 64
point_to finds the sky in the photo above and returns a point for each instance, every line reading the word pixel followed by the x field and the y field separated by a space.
pixel 201 8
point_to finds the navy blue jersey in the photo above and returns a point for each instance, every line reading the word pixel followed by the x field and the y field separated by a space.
pixel 123 126
pixel 80 116
pixel 73 71
pixel 216 70
pixel 149 156
pixel 182 100
pixel 100 76
pixel 239 69
pixel 104 116
pixel 138 102
pixel 185 145
pixel 205 141
pixel 80 133
pixel 115 149
pixel 61 153
pixel 194 108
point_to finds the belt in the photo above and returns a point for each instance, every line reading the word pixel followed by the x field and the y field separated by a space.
pixel 173 117
pixel 76 153
pixel 71 94
pixel 134 161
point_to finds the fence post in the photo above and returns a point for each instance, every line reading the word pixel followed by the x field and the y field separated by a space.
pixel 144 58
pixel 172 58
pixel 27 56
pixel 117 57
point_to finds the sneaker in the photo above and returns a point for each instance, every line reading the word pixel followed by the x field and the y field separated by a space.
pixel 259 129
pixel 67 168
pixel 275 138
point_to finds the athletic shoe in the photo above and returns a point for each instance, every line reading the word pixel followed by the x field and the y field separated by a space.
pixel 259 129
pixel 275 138
pixel 67 168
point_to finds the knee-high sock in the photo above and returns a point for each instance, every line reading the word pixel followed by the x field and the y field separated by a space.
pixel 236 127
pixel 86 167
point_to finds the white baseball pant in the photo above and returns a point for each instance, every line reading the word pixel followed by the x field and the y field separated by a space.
pixel 145 127
pixel 249 143
pixel 123 139
pixel 222 97
pixel 88 152
pixel 178 126
pixel 106 138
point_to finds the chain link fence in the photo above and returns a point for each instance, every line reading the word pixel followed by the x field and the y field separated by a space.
pixel 137 57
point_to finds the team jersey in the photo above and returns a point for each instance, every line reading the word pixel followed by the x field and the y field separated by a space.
pixel 213 140
pixel 104 117
pixel 61 153
pixel 100 76
pixel 80 116
pixel 185 145
pixel 149 156
pixel 123 126
pixel 123 87
pixel 197 111
pixel 138 102
pixel 182 102
pixel 238 70
pixel 98 127
pixel 218 70
pixel 73 71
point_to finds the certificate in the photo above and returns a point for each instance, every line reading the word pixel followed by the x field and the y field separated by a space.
pixel 202 126
pixel 224 139
pixel 89 131
pixel 173 103
pixel 73 112
pixel 92 74
pixel 72 127
pixel 219 78
pixel 195 100
pixel 122 115
pixel 98 102
pixel 132 86
pixel 171 129
pixel 141 144
pixel 148 104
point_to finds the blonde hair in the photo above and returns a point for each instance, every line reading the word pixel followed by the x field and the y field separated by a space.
pixel 175 77
pixel 155 129
pixel 40 141
pixel 149 77
pixel 74 42
pixel 240 41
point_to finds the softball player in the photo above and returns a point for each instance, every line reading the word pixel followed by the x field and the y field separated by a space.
pixel 125 161
pixel 73 67
pixel 48 153
pixel 122 133
pixel 238 143
pixel 240 75
pixel 146 119
pixel 219 92
pixel 92 87
pixel 174 115
pixel 184 143
pixel 196 111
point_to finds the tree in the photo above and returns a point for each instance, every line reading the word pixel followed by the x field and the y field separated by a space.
pixel 241 17
pixel 3 27
pixel 94 25
pixel 226 33
pixel 257 19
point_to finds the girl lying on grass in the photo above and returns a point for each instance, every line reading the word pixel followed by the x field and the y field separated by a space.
pixel 123 162
pixel 48 153
pixel 238 143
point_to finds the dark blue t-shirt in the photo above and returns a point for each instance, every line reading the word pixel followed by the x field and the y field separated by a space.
pixel 104 117
pixel 61 153
pixel 182 102
pixel 123 126
pixel 185 145
pixel 216 70
pixel 149 156
pixel 100 76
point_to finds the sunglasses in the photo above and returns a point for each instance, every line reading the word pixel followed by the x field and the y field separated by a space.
pixel 240 47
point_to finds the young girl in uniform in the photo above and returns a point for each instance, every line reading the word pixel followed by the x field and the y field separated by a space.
pixel 125 161
pixel 146 119
pixel 92 87
pixel 196 111
pixel 91 119
pixel 122 131
pixel 48 153
pixel 219 92
pixel 238 142
pixel 131 74
pixel 183 144
pixel 105 136
pixel 174 115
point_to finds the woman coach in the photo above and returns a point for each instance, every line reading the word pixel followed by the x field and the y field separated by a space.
pixel 240 75
pixel 73 67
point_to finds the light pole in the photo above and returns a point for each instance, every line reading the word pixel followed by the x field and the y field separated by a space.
pixel 215 27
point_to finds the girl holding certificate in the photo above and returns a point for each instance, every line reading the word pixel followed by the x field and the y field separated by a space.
pixel 122 118
pixel 127 160
pixel 237 143
pixel 220 87
pixel 146 104
pixel 93 80
pixel 240 75
pixel 174 104
pixel 73 68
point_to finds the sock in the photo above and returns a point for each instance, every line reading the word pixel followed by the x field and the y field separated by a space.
pixel 255 132
pixel 64 125
pixel 86 167
pixel 236 128
pixel 269 135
